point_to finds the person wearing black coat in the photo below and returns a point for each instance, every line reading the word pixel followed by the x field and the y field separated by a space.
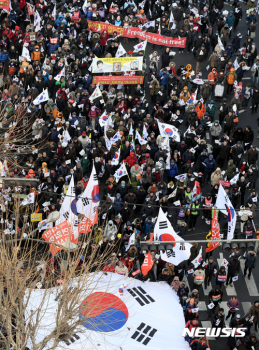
pixel 216 296
pixel 50 85
pixel 166 58
pixel 218 319
pixel 242 185
pixel 233 269
pixel 251 343
pixel 209 271
pixel 238 134
pixel 223 153
pixel 164 276
pixel 248 137
pixel 237 152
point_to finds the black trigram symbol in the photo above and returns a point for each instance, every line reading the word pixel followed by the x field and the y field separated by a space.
pixel 76 223
pixel 95 177
pixel 163 225
pixel 85 201
pixel 73 189
pixel 182 246
pixel 141 296
pixel 170 254
pixel 144 334
pixel 66 215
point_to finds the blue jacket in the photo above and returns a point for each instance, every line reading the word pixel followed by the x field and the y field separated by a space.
pixel 52 47
pixel 230 19
pixel 148 227
pixel 61 20
pixel 229 51
pixel 173 171
pixel 250 19
pixel 97 51
pixel 4 57
pixel 45 77
pixel 210 165
pixel 12 17
pixel 54 135
pixel 164 76
pixel 118 202
pixel 89 15
pixel 236 42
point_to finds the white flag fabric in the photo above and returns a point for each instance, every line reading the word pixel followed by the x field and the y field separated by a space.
pixel 97 93
pixel 26 54
pixel 220 43
pixel 234 179
pixel 120 51
pixel 140 47
pixel 140 138
pixel 235 64
pixel 131 241
pixel 68 209
pixel 120 172
pixel 121 318
pixel 164 231
pixel 165 144
pixel 54 12
pixel 145 133
pixel 60 74
pixel 225 206
pixel 37 21
pixel 172 20
pixel 103 119
pixel 197 261
pixel 168 130
pixel 89 202
pixel 29 199
pixel 181 176
pixel 149 24
pixel 85 6
pixel 5 168
pixel 116 137
pixel 66 137
pixel 116 158
pixel 110 123
pixel 107 141
pixel 142 4
pixel 131 130
pixel 43 97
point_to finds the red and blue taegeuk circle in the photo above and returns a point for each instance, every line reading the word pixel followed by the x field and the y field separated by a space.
pixel 200 260
pixel 103 312
pixel 104 118
pixel 96 194
pixel 169 131
pixel 73 207
pixel 167 237
pixel 116 156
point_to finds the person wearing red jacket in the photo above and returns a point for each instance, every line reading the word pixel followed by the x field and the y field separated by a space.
pixel 62 92
pixel 108 267
pixel 131 159
pixel 22 4
pixel 104 37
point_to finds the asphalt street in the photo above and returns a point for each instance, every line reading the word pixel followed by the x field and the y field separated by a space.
pixel 246 291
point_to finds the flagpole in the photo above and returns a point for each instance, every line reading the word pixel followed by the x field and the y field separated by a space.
pixel 126 171
pixel 169 20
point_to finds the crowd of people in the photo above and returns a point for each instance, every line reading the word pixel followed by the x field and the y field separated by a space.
pixel 65 136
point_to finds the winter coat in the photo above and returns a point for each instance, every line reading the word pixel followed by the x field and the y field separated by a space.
pixel 200 110
pixel 205 91
pixel 236 151
pixel 210 165
pixel 233 266
pixel 248 136
pixel 131 160
pixel 231 169
pixel 223 151
pixel 250 260
pixel 173 171
pixel 252 156
pixel 215 178
pixel 254 311
pixel 214 61
pixel 215 130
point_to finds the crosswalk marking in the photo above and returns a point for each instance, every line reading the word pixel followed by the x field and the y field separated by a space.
pixel 251 286
pixel 207 290
pixel 202 306
pixel 246 306
pixel 230 290
pixel 208 324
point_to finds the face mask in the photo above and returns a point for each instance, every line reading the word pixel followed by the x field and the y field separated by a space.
pixel 122 186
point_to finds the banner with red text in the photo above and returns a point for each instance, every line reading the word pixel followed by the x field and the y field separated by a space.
pixel 58 234
pixel 5 5
pixel 118 80
pixel 135 32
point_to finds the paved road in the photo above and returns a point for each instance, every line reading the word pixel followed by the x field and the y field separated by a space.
pixel 247 291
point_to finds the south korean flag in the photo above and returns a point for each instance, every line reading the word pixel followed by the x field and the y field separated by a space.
pixel 164 231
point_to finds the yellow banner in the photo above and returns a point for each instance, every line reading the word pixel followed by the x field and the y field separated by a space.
pixel 117 64
pixel 36 217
